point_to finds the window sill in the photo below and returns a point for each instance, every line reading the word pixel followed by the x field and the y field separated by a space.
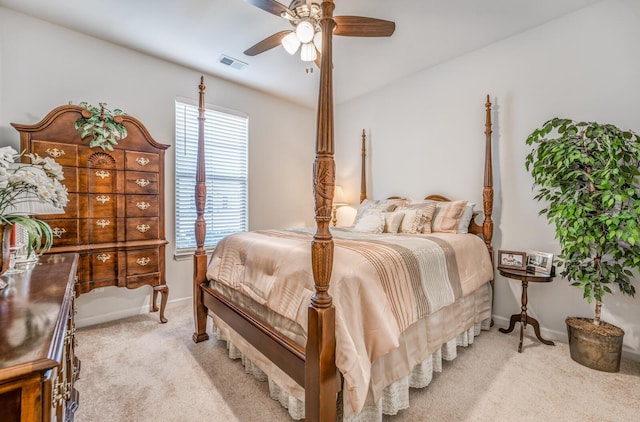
pixel 187 254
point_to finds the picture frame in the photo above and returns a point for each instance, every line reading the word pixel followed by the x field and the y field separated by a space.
pixel 541 262
pixel 513 260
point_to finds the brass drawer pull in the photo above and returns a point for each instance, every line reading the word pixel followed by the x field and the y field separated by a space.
pixel 70 336
pixel 103 223
pixel 66 394
pixel 103 257
pixel 55 152
pixel 58 231
pixel 103 198
pixel 143 261
pixel 143 228
pixel 142 182
pixel 56 399
pixel 142 161
pixel 103 174
pixel 143 205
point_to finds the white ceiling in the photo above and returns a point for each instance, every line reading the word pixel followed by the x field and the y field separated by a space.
pixel 195 33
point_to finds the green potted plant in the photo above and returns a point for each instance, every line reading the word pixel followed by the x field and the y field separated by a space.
pixel 102 126
pixel 588 174
pixel 21 183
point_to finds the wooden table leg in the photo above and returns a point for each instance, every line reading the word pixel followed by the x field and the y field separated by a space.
pixel 164 291
pixel 523 314
pixel 525 319
pixel 514 318
pixel 536 328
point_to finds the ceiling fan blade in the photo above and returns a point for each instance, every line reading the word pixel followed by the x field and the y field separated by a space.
pixel 267 44
pixel 271 6
pixel 359 26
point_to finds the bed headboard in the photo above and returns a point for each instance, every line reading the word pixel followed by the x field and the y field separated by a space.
pixel 486 229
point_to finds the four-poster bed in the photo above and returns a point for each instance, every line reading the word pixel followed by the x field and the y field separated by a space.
pixel 309 358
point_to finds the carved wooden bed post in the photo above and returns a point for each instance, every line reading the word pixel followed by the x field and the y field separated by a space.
pixel 487 193
pixel 363 175
pixel 200 256
pixel 321 384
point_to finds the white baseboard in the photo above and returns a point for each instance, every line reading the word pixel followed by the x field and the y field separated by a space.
pixel 125 313
pixel 561 336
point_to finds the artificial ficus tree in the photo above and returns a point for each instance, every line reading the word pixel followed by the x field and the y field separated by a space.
pixel 588 174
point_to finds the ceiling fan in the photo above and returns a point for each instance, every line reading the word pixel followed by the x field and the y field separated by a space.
pixel 305 16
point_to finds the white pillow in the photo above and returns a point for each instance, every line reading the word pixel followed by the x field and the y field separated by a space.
pixel 371 222
pixel 465 218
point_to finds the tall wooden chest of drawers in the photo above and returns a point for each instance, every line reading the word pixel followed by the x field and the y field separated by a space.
pixel 115 215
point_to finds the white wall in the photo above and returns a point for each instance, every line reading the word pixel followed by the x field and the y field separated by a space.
pixel 426 136
pixel 43 66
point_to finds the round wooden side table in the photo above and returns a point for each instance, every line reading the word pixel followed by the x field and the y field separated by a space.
pixel 522 317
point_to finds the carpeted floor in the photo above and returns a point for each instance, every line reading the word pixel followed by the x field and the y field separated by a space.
pixel 139 370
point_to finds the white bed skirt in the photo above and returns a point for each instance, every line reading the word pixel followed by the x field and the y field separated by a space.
pixel 395 397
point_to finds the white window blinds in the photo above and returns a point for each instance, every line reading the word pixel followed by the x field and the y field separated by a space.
pixel 226 158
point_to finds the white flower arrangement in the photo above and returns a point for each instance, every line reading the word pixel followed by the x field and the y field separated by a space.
pixel 20 183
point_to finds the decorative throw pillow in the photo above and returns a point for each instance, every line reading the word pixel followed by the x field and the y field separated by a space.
pixel 414 220
pixel 409 222
pixel 383 205
pixel 371 222
pixel 364 206
pixel 392 221
pixel 428 211
pixel 447 216
pixel 465 218
pixel 393 204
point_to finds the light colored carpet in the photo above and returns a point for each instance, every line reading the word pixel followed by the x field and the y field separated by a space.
pixel 139 370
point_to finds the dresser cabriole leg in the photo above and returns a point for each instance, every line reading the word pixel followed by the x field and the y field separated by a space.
pixel 164 292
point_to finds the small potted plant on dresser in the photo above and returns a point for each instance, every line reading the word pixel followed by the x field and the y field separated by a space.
pixel 101 126
pixel 588 174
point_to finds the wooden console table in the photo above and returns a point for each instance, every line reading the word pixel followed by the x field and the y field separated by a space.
pixel 38 367
pixel 522 317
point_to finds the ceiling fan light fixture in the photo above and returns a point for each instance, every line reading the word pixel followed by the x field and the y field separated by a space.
pixel 287 16
pixel 314 10
pixel 317 40
pixel 305 31
pixel 291 43
pixel 308 52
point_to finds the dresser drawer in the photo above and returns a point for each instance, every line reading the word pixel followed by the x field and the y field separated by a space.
pixel 66 232
pixel 98 180
pixel 135 281
pixel 102 205
pixel 70 210
pixel 96 205
pixel 142 161
pixel 101 265
pixel 99 159
pixel 64 154
pixel 142 228
pixel 70 178
pixel 141 183
pixel 141 206
pixel 142 261
pixel 101 230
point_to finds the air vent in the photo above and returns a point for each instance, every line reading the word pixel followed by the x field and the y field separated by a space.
pixel 231 62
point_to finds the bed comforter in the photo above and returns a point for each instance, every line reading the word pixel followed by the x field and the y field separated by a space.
pixel 381 284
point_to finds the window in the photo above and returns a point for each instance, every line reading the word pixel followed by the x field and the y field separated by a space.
pixel 226 157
